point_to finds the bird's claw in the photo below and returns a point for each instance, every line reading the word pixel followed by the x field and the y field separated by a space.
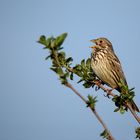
pixel 108 92
pixel 98 82
pixel 107 95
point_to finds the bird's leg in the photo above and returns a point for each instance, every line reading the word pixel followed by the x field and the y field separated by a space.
pixel 109 92
pixel 98 83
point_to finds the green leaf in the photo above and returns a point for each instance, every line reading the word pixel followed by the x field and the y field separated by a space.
pixel 77 68
pixel 114 99
pixel 60 48
pixel 68 60
pixel 88 62
pixel 63 78
pixel 83 63
pixel 131 89
pixel 117 109
pixel 42 39
pixel 71 76
pixel 53 45
pixel 63 81
pixel 137 131
pixel 45 42
pixel 62 54
pixel 54 63
pixel 79 73
pixel 60 39
pixel 80 81
pixel 122 111
pixel 91 101
pixel 105 134
pixel 87 85
pixel 58 70
pixel 47 57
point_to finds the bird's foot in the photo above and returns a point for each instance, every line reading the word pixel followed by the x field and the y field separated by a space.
pixel 98 83
pixel 108 92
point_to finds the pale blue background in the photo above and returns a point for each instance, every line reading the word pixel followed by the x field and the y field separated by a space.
pixel 33 104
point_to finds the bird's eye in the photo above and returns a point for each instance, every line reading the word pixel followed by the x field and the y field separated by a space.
pixel 101 41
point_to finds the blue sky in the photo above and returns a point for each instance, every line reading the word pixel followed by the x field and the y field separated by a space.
pixel 33 103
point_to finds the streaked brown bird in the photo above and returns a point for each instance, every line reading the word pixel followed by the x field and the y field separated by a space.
pixel 107 66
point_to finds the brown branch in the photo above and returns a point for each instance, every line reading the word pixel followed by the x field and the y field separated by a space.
pixel 112 94
pixel 127 104
pixel 93 110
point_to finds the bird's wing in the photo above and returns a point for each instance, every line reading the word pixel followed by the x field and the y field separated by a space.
pixel 116 67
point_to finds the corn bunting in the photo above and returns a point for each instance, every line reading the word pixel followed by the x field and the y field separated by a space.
pixel 107 66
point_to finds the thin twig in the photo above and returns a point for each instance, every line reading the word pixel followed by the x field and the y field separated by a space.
pixel 93 110
pixel 128 105
pixel 112 94
pixel 133 113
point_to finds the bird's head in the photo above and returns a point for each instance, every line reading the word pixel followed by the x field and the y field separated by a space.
pixel 102 43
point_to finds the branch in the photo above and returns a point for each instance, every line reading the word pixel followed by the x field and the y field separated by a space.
pixel 61 65
pixel 93 110
pixel 127 104
pixel 97 83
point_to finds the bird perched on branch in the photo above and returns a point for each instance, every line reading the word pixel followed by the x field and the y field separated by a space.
pixel 107 66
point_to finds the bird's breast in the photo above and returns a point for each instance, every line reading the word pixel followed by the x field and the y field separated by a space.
pixel 98 56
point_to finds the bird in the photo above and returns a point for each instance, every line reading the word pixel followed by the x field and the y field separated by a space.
pixel 107 66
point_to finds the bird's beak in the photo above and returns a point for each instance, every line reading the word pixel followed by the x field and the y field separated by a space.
pixel 93 40
pixel 93 47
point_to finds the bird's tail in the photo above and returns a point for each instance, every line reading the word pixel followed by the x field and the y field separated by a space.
pixel 132 103
pixel 134 106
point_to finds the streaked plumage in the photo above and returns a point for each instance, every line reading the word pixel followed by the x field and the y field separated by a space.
pixel 107 66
